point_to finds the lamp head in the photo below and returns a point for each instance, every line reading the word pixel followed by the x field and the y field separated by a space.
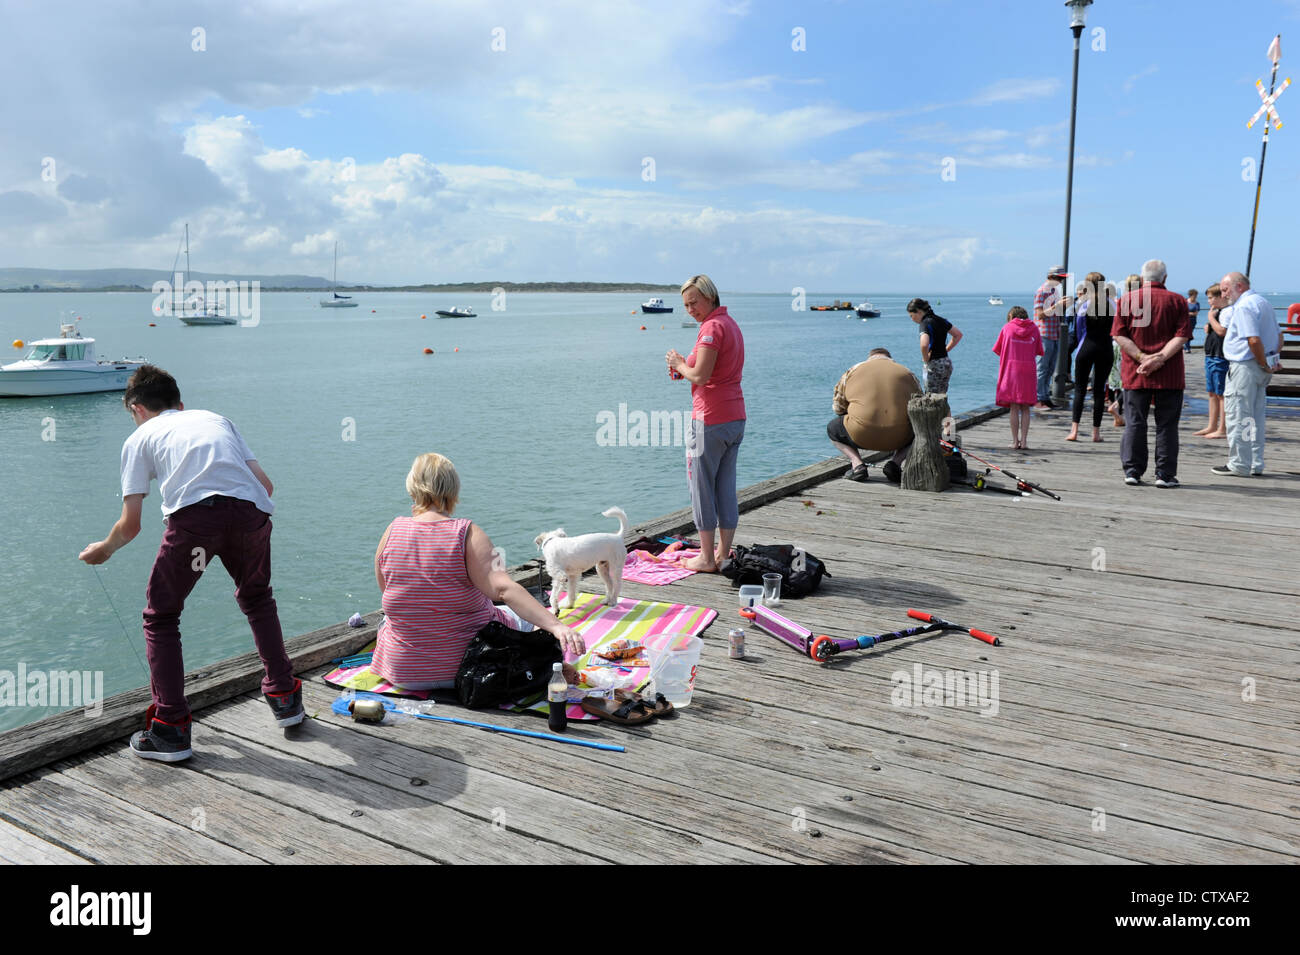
pixel 1078 13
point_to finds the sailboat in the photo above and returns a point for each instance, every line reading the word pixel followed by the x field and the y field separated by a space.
pixel 196 311
pixel 336 300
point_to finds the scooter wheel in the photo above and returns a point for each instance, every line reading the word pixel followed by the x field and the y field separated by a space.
pixel 748 613
pixel 822 648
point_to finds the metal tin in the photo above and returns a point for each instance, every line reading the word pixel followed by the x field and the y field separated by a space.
pixel 367 711
pixel 736 643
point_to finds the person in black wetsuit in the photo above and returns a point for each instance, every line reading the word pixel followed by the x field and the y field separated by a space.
pixel 1096 352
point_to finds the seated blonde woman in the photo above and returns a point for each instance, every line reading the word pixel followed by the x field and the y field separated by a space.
pixel 440 585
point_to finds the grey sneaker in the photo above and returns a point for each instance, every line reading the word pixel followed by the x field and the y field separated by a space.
pixel 1132 480
pixel 1225 471
pixel 165 742
pixel 287 707
pixel 1167 482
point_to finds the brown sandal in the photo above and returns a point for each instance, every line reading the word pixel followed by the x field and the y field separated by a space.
pixel 627 709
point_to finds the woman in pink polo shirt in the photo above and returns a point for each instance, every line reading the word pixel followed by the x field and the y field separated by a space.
pixel 717 419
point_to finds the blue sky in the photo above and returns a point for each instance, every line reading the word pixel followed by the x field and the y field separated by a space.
pixel 398 130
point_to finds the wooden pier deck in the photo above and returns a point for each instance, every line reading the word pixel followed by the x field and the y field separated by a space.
pixel 1147 706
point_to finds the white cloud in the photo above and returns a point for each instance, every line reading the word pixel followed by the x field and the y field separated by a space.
pixel 1014 91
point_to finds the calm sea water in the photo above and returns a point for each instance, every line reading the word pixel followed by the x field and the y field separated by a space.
pixel 337 403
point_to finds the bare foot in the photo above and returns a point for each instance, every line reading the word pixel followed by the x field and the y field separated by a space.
pixel 1097 439
pixel 1202 433
pixel 1072 436
pixel 701 564
pixel 1217 435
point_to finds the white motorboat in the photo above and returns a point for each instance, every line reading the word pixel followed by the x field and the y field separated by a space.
pixel 995 300
pixel 455 313
pixel 64 366
pixel 867 310
pixel 655 306
pixel 195 309
pixel 336 300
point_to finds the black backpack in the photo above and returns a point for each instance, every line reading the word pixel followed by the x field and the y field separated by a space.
pixel 801 572
pixel 502 665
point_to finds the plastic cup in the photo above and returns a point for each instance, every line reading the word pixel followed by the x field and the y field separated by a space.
pixel 750 594
pixel 771 590
pixel 673 666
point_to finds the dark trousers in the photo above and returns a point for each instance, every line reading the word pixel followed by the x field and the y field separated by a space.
pixel 1093 359
pixel 240 534
pixel 1133 446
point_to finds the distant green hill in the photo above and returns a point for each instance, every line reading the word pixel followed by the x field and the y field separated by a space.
pixel 128 280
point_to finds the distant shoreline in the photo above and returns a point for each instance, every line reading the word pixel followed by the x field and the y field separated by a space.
pixel 487 287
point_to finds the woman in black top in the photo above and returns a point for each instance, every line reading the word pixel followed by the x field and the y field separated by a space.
pixel 1096 354
pixel 938 337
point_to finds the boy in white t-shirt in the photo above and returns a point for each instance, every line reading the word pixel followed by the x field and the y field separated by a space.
pixel 216 502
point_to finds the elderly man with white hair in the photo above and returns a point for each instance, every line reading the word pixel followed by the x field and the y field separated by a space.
pixel 1252 348
pixel 1151 325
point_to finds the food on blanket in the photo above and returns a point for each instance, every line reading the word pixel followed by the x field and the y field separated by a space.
pixel 619 650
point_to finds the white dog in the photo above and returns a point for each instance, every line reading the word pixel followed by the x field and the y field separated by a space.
pixel 567 558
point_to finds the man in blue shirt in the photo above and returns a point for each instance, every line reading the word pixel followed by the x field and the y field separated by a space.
pixel 1252 348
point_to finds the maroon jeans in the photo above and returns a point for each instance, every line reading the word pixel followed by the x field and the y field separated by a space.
pixel 240 534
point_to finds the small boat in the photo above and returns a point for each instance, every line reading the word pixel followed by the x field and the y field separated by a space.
pixel 691 324
pixel 336 300
pixel 64 366
pixel 837 307
pixel 995 300
pixel 195 310
pixel 867 310
pixel 455 313
pixel 655 305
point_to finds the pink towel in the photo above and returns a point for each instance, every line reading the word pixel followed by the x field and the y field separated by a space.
pixel 643 567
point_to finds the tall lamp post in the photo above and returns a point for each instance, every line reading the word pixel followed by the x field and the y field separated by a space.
pixel 1078 16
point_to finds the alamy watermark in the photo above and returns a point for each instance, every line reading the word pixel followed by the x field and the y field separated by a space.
pixel 653 429
pixel 53 688
pixel 922 686
pixel 194 299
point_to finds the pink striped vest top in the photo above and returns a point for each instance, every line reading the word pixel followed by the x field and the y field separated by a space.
pixel 431 608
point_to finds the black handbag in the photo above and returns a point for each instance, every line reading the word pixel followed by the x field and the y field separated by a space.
pixel 502 665
pixel 801 572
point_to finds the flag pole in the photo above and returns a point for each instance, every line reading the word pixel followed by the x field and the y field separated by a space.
pixel 1263 152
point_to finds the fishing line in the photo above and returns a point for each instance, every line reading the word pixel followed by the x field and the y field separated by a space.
pixel 119 620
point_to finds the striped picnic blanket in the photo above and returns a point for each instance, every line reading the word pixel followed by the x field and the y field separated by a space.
pixel 643 567
pixel 650 623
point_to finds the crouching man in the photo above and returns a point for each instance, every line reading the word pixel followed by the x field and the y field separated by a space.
pixel 870 406
pixel 216 502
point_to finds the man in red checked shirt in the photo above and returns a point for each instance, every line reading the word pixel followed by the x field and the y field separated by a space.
pixel 1151 325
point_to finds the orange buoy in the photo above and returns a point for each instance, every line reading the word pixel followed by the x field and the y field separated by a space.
pixel 153 324
pixel 456 349
pixel 422 316
pixel 642 328
pixel 18 343
pixel 428 351
pixel 372 311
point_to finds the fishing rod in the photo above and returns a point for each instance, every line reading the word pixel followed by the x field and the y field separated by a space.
pixel 341 706
pixel 1020 482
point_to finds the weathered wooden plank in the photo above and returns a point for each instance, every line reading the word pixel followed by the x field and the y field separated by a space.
pixel 723 796
pixel 568 807
pixel 71 732
pixel 102 827
pixel 263 825
pixel 20 847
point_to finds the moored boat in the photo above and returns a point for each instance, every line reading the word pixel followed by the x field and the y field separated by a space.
pixel 867 310
pixel 995 300
pixel 455 313
pixel 64 366
pixel 655 305
pixel 837 307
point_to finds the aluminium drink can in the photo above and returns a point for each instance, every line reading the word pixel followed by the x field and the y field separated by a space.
pixel 736 643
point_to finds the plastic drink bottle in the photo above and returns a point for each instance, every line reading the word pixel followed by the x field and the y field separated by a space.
pixel 557 695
